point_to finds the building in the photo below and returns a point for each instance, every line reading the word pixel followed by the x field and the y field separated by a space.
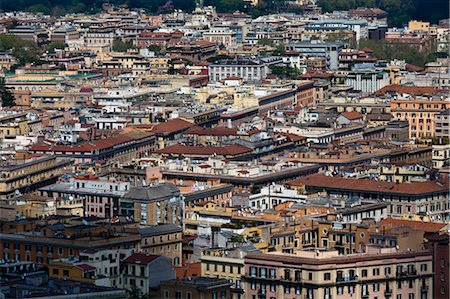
pixel 376 272
pixel 162 239
pixel 272 195
pixel 227 263
pixel 145 272
pixel 152 205
pixel 420 114
pixel 196 288
pixel 19 176
pixel 248 70
pixel 442 124
pixel 327 51
pixel 416 198
pixel 438 244
pixel 367 80
pixel 221 35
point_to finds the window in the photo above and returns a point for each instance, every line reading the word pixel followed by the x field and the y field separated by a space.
pixel 387 271
pixel 376 287
pixel 177 295
pixel 66 272
pixel 364 273
pixel 411 296
pixel 340 290
pixel 188 295
pixel 375 271
pixel 166 294
pixel 326 276
pixel 55 271
pixel 223 294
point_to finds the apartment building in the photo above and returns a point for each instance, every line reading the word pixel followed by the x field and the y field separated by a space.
pixel 414 198
pixel 162 239
pixel 227 263
pixel 442 124
pixel 248 70
pixel 18 176
pixel 375 273
pixel 221 35
pixel 145 272
pixel 327 51
pixel 420 114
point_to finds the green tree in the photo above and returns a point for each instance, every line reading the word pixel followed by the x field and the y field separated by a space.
pixel 6 95
pixel 121 46
pixel 285 72
pixel 55 45
pixel 266 42
pixel 218 58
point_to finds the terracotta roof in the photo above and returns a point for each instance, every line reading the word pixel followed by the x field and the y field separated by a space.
pixel 366 50
pixel 216 131
pixel 352 115
pixel 413 68
pixel 91 146
pixel 412 90
pixel 171 126
pixel 85 267
pixel 322 181
pixel 428 227
pixel 229 150
pixel 140 258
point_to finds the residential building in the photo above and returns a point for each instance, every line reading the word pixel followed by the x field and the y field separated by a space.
pixel 376 272
pixel 145 272
pixel 196 288
pixel 328 51
pixel 248 70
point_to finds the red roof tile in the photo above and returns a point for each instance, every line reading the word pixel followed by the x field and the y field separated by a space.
pixel 140 258
pixel 412 90
pixel 229 150
pixel 428 227
pixel 171 126
pixel 352 115
pixel 416 188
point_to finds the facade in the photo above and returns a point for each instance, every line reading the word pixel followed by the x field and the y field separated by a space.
pixel 420 114
pixel 145 272
pixel 155 204
pixel 327 51
pixel 196 287
pixel 378 272
pixel 27 175
pixel 442 124
pixel 367 81
pixel 248 70
pixel 431 197
pixel 227 264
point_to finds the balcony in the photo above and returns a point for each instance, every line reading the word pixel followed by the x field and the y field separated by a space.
pixel 388 293
pixel 424 288
pixel 347 279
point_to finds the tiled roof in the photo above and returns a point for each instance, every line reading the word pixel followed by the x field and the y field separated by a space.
pixel 352 115
pixel 171 126
pixel 140 258
pixel 322 181
pixel 413 90
pixel 216 131
pixel 419 225
pixel 229 150
pixel 90 146
pixel 85 267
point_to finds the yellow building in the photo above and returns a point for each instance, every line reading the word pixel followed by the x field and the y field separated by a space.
pixel 71 269
pixel 225 263
pixel 414 25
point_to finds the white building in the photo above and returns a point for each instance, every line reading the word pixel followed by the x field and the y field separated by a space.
pixel 273 195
